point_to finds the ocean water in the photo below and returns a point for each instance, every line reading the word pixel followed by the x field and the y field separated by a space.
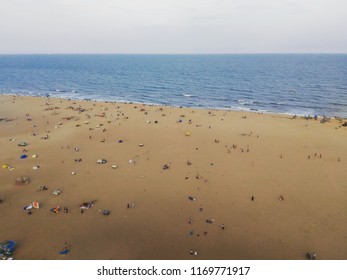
pixel 290 84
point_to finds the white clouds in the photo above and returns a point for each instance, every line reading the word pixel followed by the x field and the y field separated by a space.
pixel 172 26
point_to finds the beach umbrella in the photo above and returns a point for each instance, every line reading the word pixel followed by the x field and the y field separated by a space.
pixel 35 204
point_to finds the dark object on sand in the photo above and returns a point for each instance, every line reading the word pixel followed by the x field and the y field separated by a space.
pixel 344 124
pixel 311 255
pixel 87 205
pixel 55 209
pixel 43 188
pixel 105 212
pixel 23 144
pixel 131 205
pixel 166 166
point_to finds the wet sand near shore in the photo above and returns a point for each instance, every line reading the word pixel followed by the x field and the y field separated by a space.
pixel 187 183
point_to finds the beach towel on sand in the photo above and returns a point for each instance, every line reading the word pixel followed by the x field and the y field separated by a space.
pixel 65 252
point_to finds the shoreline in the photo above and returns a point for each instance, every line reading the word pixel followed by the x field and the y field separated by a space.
pixel 225 184
pixel 255 111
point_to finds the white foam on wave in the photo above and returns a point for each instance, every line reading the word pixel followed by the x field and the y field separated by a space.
pixel 244 102
pixel 238 108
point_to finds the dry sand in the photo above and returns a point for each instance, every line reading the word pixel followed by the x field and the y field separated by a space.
pixel 278 158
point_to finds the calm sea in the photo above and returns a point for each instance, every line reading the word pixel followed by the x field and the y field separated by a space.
pixel 293 84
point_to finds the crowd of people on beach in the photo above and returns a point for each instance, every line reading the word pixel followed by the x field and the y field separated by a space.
pixel 167 166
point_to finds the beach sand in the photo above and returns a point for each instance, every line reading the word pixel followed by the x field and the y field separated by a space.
pixel 240 165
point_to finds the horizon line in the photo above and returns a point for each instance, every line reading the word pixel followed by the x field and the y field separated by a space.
pixel 236 53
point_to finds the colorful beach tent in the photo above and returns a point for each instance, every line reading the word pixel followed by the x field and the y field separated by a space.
pixel 7 247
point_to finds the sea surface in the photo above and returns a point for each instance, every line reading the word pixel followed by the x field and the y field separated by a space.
pixel 290 84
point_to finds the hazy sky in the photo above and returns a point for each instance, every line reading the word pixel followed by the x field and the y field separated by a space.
pixel 173 26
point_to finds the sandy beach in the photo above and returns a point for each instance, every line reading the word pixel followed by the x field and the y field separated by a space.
pixel 179 183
